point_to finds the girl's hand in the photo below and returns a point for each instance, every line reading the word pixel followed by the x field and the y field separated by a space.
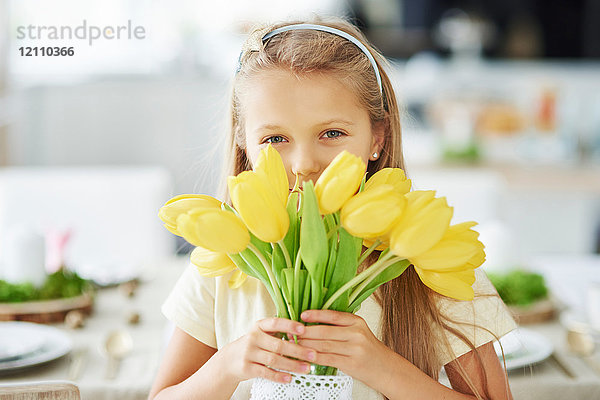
pixel 346 343
pixel 256 353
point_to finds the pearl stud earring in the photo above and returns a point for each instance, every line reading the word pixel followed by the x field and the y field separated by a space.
pixel 375 155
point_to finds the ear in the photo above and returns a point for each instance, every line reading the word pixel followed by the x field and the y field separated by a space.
pixel 378 131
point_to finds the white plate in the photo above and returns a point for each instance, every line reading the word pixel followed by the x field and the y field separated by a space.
pixel 523 347
pixel 56 344
pixel 16 341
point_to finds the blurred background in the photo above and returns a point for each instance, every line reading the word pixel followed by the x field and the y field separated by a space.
pixel 501 113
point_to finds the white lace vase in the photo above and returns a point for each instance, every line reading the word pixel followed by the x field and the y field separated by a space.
pixel 304 387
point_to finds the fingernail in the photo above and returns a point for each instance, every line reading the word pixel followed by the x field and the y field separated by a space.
pixel 311 356
pixel 304 315
pixel 287 378
pixel 306 368
pixel 300 329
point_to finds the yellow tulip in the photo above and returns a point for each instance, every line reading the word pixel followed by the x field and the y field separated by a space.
pixel 339 181
pixel 259 206
pixel 372 213
pixel 270 164
pixel 182 204
pixel 211 263
pixel 457 284
pixel 237 279
pixel 214 229
pixel 457 247
pixel 389 176
pixel 478 258
pixel 423 223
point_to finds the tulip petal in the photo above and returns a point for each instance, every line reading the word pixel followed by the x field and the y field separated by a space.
pixel 445 255
pixel 182 204
pixel 259 206
pixel 457 285
pixel 423 223
pixel 172 229
pixel 458 249
pixel 409 240
pixel 237 279
pixel 211 263
pixel 390 176
pixel 271 165
pixel 371 213
pixel 339 181
pixel 214 229
pixel 479 258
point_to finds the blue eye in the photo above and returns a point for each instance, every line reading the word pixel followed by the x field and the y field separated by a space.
pixel 274 139
pixel 333 134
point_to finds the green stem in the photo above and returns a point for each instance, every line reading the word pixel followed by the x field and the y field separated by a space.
pixel 356 280
pixel 297 267
pixel 288 264
pixel 333 230
pixel 374 275
pixel 281 306
pixel 367 252
pixel 286 254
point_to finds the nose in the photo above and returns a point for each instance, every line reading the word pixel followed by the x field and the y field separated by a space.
pixel 304 163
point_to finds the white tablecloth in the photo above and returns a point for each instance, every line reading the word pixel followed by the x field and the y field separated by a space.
pixel 544 381
pixel 111 308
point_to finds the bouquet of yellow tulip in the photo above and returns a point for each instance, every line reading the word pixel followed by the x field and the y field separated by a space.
pixel 293 242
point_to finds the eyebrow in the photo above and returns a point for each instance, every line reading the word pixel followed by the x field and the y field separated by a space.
pixel 273 127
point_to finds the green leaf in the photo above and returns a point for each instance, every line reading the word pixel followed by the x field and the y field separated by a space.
pixel 286 284
pixel 299 292
pixel 362 183
pixel 278 262
pixel 391 272
pixel 291 238
pixel 313 241
pixel 288 275
pixel 264 247
pixel 330 224
pixel 305 294
pixel 331 262
pixel 345 268
pixel 253 266
pixel 249 264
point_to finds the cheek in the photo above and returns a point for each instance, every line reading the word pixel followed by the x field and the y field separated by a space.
pixel 252 151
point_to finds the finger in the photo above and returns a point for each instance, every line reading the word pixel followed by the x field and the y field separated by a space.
pixel 275 325
pixel 333 360
pixel 284 347
pixel 330 317
pixel 327 346
pixel 276 361
pixel 259 370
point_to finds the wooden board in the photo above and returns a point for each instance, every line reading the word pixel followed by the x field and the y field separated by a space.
pixel 540 311
pixel 45 311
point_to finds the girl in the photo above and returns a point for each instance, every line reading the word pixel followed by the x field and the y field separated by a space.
pixel 313 91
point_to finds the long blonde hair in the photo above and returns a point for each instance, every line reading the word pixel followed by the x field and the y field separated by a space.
pixel 409 308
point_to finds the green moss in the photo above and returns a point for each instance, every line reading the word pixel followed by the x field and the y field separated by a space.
pixel 61 284
pixel 519 287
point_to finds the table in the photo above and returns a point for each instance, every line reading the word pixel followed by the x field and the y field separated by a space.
pixel 111 308
pixel 543 381
pixel 547 381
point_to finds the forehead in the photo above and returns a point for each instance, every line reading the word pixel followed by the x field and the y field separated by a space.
pixel 278 94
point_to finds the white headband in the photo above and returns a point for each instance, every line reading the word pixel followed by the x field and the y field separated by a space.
pixel 328 29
